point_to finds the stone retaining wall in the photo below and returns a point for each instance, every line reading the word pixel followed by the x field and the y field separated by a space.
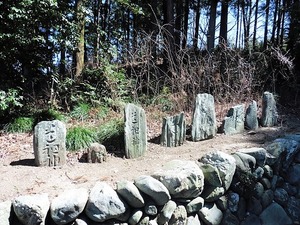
pixel 255 186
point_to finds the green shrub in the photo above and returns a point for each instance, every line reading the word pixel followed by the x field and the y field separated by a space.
pixel 21 125
pixel 81 111
pixel 48 115
pixel 109 130
pixel 79 138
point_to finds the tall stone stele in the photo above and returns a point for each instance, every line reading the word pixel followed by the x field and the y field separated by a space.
pixel 269 110
pixel 173 131
pixel 49 143
pixel 135 131
pixel 234 122
pixel 251 121
pixel 204 125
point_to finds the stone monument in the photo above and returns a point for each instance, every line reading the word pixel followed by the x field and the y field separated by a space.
pixel 251 121
pixel 173 131
pixel 269 110
pixel 234 122
pixel 135 131
pixel 204 124
pixel 49 143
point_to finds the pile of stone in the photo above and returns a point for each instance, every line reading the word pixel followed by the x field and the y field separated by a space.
pixel 254 186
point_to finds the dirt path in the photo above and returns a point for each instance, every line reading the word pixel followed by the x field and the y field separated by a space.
pixel 19 176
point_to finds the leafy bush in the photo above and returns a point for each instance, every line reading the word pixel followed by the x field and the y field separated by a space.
pixel 81 111
pixel 79 138
pixel 47 115
pixel 9 100
pixel 20 125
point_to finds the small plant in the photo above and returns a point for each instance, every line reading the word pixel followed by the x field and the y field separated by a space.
pixel 47 115
pixel 81 111
pixel 79 138
pixel 9 100
pixel 109 130
pixel 20 125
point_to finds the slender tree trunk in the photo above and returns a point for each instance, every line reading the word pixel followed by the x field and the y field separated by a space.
pixel 275 21
pixel 224 21
pixel 266 24
pixel 178 23
pixel 237 23
pixel 186 23
pixel 283 22
pixel 212 25
pixel 279 20
pixel 79 53
pixel 97 13
pixel 197 20
pixel 255 25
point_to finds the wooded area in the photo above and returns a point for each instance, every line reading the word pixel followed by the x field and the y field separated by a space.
pixel 57 53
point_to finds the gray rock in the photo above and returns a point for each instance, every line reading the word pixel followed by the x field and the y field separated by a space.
pixel 5 209
pixel 234 121
pixel 266 183
pixel 144 221
pixel 68 205
pixel 251 220
pixel 274 214
pixel 135 217
pixel 135 131
pixel 254 206
pixel 173 131
pixel 293 174
pixel 222 203
pixel 150 208
pixel 260 154
pixel 179 216
pixel 268 171
pixel 281 196
pixel 96 153
pixel 258 190
pixel 258 173
pixel 269 116
pixel 290 189
pixel 251 121
pixel 230 219
pixel 233 201
pixel 211 193
pixel 104 203
pixel 293 208
pixel 267 198
pixel 195 205
pixel 275 149
pixel 193 220
pixel 244 162
pixel 130 193
pixel 225 164
pixel 276 181
pixel 49 143
pixel 154 188
pixel 183 179
pixel 166 212
pixel 211 175
pixel 31 209
pixel 291 149
pixel 204 125
pixel 210 214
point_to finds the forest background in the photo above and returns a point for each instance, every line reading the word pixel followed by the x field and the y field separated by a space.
pixel 84 59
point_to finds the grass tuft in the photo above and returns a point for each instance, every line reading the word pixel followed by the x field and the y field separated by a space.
pixel 81 111
pixel 20 125
pixel 79 138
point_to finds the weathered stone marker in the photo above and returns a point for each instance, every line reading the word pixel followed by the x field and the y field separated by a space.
pixel 234 122
pixel 269 110
pixel 49 143
pixel 173 131
pixel 204 119
pixel 251 121
pixel 135 131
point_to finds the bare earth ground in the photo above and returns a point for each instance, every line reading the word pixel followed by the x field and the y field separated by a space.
pixel 19 176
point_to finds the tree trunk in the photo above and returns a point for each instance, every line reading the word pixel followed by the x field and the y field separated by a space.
pixel 255 25
pixel 186 23
pixel 237 23
pixel 275 21
pixel 212 25
pixel 224 21
pixel 197 20
pixel 267 9
pixel 169 25
pixel 79 53
pixel 178 23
